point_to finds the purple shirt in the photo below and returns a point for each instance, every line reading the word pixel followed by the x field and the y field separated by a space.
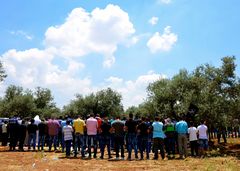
pixel 53 127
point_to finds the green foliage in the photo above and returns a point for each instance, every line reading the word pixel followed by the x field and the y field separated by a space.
pixel 105 102
pixel 27 103
pixel 215 91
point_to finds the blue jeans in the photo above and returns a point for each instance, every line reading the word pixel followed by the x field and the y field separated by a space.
pixel 68 147
pixel 94 139
pixel 41 141
pixel 132 144
pixel 32 138
pixel 79 142
pixel 53 139
pixel 143 145
pixel 104 140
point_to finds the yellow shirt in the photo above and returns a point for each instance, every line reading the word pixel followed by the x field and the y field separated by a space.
pixel 78 125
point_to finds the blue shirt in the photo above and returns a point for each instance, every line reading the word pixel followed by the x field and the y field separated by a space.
pixel 182 127
pixel 158 130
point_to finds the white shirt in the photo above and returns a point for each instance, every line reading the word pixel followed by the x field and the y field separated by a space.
pixel 192 131
pixel 202 131
pixel 67 132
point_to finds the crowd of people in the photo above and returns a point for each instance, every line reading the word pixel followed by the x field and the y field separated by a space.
pixel 86 137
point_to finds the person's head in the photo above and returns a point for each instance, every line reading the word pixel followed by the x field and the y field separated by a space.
pixel 23 122
pixel 68 122
pixel 130 116
pixel 91 114
pixel 32 121
pixel 143 119
pixel 105 118
pixel 118 117
pixel 157 118
pixel 191 124
pixel 203 121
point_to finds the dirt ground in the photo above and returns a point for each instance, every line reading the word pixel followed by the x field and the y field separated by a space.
pixel 221 157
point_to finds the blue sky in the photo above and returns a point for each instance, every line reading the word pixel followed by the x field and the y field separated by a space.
pixel 82 46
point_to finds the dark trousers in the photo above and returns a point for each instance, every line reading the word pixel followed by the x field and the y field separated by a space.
pixel 132 144
pixel 143 146
pixel 68 144
pixel 52 139
pixel 170 145
pixel 104 140
pixel 4 139
pixel 21 142
pixel 79 142
pixel 194 147
pixel 41 142
pixel 94 139
pixel 119 141
pixel 13 140
pixel 158 144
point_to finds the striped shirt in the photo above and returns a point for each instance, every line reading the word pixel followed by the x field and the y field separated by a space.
pixel 67 132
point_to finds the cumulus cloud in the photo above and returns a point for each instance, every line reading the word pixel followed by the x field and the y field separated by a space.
pixel 162 42
pixel 133 91
pixel 32 68
pixel 153 21
pixel 100 31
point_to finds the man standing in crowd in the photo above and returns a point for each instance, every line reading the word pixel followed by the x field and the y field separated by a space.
pixel 92 126
pixel 182 130
pixel 79 126
pixel 118 128
pixel 32 131
pixel 158 138
pixel 192 131
pixel 105 138
pixel 170 138
pixel 53 128
pixel 22 135
pixel 42 129
pixel 67 132
pixel 4 133
pixel 13 132
pixel 131 128
pixel 203 138
pixel 143 137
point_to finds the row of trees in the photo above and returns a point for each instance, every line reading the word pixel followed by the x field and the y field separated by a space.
pixel 208 92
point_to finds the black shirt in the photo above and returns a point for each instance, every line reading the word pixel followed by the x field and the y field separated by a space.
pixel 32 128
pixel 131 125
pixel 42 127
pixel 105 127
pixel 143 127
pixel 119 128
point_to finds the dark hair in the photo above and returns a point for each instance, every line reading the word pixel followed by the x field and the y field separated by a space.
pixel 130 115
pixel 32 121
pixel 68 122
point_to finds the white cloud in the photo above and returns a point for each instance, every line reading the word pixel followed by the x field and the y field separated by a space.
pixel 153 21
pixel 164 1
pixel 32 68
pixel 22 33
pixel 100 31
pixel 133 91
pixel 162 42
